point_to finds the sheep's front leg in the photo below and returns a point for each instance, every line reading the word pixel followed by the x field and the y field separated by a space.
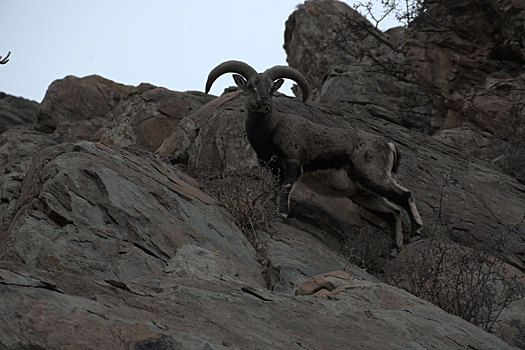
pixel 290 173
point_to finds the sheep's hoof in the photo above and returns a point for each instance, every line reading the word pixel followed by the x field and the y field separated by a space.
pixel 393 253
pixel 280 218
pixel 415 238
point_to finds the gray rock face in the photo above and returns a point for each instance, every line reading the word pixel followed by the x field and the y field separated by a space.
pixel 212 138
pixel 60 310
pixel 372 90
pixel 17 149
pixel 457 72
pixel 16 111
pixel 343 72
pixel 149 115
pixel 97 109
pixel 114 215
pixel 297 254
pixel 79 106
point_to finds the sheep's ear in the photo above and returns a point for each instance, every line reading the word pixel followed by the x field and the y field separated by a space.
pixel 277 84
pixel 240 81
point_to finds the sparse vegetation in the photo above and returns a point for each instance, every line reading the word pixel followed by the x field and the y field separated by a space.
pixel 249 196
pixel 473 284
pixel 369 249
pixel 403 11
pixel 360 37
pixel 417 13
pixel 465 282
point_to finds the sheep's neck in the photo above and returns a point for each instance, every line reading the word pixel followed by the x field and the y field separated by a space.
pixel 259 129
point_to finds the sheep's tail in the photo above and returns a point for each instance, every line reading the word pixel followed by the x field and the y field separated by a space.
pixel 396 156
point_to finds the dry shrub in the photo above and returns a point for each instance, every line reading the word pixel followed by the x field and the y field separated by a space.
pixel 248 194
pixel 368 249
pixel 468 283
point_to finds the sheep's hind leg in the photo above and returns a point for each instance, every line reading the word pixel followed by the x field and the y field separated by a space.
pixel 387 211
pixel 375 175
pixel 291 173
pixel 402 196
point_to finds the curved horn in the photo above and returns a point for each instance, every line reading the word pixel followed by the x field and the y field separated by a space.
pixel 277 72
pixel 229 67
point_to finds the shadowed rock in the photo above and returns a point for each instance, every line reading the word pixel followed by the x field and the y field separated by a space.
pixel 16 111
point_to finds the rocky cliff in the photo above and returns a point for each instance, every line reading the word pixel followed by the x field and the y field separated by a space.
pixel 106 241
pixel 455 73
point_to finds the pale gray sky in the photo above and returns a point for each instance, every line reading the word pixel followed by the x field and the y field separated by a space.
pixel 173 44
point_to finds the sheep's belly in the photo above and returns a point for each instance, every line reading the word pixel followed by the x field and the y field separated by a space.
pixel 330 182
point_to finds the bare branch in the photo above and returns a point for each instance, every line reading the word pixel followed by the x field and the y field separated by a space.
pixel 6 59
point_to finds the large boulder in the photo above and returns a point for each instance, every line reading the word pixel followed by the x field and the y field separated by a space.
pixel 88 209
pixel 97 109
pixel 306 40
pixel 149 115
pixel 78 107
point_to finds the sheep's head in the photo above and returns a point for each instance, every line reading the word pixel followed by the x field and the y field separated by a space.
pixel 258 91
pixel 258 87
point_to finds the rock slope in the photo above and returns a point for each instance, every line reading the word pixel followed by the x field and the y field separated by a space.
pixel 109 247
pixel 106 242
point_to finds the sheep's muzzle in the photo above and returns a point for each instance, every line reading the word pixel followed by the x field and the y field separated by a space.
pixel 262 107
